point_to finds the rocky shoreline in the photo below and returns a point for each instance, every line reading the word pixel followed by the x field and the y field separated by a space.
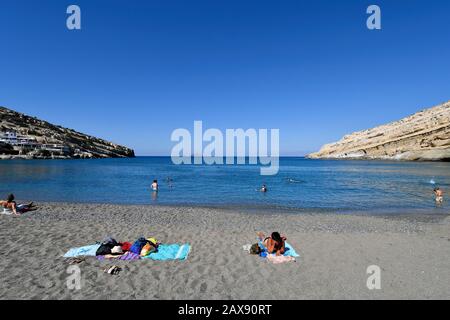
pixel 25 137
pixel 423 136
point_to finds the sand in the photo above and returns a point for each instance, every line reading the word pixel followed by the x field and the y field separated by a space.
pixel 335 252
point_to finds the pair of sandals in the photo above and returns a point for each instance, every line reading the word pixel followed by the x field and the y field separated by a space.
pixel 76 260
pixel 113 270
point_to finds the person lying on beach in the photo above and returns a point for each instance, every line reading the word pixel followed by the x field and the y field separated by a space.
pixel 155 185
pixel 439 195
pixel 11 205
pixel 274 244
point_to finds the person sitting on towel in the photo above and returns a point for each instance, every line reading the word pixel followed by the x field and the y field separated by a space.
pixel 11 205
pixel 274 244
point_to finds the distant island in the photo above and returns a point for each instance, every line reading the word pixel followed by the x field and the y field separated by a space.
pixel 25 137
pixel 423 136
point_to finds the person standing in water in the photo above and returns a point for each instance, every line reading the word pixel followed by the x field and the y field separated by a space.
pixel 154 185
pixel 439 195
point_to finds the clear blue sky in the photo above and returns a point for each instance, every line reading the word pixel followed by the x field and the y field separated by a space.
pixel 139 69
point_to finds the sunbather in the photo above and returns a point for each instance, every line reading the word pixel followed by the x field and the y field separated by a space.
pixel 274 244
pixel 16 209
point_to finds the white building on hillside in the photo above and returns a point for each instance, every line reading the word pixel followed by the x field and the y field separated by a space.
pixel 14 139
pixel 8 137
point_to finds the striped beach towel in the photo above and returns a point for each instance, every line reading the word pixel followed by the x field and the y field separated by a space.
pixel 125 257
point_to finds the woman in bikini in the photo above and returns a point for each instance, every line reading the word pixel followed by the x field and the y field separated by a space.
pixel 154 185
pixel 274 244
pixel 11 205
pixel 439 195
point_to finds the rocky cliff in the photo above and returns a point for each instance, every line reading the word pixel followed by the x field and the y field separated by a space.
pixel 38 139
pixel 423 136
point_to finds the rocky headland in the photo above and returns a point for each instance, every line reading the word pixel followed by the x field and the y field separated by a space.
pixel 423 136
pixel 26 137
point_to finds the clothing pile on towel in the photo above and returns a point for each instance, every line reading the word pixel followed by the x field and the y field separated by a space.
pixel 148 248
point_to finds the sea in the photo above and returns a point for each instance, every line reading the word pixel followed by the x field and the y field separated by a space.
pixel 302 185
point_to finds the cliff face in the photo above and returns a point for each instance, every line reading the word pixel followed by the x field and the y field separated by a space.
pixel 423 136
pixel 38 139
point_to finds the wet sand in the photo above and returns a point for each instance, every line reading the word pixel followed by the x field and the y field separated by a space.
pixel 335 251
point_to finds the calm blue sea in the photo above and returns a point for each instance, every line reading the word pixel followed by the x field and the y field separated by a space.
pixel 300 184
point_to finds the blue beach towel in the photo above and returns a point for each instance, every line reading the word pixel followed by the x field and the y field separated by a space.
pixel 82 251
pixel 170 252
pixel 288 252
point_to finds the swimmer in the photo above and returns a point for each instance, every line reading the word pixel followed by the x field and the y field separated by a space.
pixel 290 180
pixel 439 195
pixel 263 188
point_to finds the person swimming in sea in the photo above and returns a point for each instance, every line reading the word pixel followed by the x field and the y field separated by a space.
pixel 154 185
pixel 274 244
pixel 439 195
pixel 263 188
pixel 290 180
pixel 169 181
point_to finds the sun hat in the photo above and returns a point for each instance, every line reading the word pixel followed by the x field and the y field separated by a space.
pixel 153 241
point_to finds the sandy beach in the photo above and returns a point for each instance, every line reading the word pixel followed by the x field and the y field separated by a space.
pixel 335 251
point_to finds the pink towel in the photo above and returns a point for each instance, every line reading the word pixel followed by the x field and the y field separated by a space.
pixel 279 259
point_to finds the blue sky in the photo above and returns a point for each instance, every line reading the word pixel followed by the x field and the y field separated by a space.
pixel 140 69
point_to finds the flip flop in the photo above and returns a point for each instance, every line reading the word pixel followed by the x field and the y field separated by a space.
pixel 76 260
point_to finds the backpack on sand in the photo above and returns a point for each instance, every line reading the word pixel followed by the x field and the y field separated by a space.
pixel 255 249
pixel 138 245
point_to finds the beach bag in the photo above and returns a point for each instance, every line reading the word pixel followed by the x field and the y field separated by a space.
pixel 138 245
pixel 103 250
pixel 110 242
pixel 149 248
pixel 255 249
pixel 146 250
